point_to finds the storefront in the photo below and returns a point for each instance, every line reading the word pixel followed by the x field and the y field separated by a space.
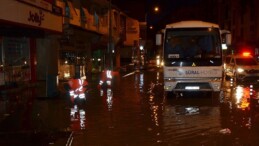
pixel 75 54
pixel 73 64
pixel 25 32
pixel 15 56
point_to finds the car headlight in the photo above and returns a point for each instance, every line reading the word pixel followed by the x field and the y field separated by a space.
pixel 240 70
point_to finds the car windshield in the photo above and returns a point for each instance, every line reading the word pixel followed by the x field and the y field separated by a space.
pixel 246 61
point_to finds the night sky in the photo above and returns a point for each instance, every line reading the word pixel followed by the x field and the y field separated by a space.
pixel 138 8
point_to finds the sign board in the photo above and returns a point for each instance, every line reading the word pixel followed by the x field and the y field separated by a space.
pixel 26 14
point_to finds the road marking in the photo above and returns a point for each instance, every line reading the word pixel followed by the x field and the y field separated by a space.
pixel 70 139
pixel 129 74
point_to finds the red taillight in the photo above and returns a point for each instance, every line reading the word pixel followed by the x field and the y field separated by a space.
pixel 246 54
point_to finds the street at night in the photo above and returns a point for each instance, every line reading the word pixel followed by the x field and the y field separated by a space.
pixel 134 111
pixel 129 73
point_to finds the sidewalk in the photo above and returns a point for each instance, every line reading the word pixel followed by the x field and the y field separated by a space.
pixel 28 116
pixel 16 89
pixel 22 115
pixel 39 87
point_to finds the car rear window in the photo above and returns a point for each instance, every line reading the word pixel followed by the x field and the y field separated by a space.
pixel 245 61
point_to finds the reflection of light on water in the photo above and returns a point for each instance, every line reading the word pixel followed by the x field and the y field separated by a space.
pixel 77 117
pixel 157 76
pixel 242 97
pixel 109 99
pixel 151 97
pixel 239 94
pixel 188 110
pixel 192 110
pixel 82 118
pixel 155 114
pixel 141 82
pixel 108 95
pixel 154 110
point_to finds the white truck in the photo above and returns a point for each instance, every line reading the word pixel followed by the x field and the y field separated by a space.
pixel 192 56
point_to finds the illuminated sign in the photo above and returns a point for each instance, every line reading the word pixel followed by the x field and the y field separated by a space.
pixel 26 14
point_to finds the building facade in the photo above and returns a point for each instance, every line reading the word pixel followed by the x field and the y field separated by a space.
pixel 241 18
pixel 51 40
pixel 29 41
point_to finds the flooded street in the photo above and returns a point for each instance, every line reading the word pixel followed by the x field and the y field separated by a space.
pixel 134 111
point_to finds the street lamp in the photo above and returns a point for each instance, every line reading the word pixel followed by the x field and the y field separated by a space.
pixel 155 9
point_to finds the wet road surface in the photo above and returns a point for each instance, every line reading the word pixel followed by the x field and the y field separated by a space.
pixel 133 112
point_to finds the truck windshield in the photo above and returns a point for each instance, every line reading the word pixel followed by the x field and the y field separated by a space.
pixel 192 44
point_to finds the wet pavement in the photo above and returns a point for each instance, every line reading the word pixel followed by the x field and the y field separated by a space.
pixel 134 111
pixel 28 118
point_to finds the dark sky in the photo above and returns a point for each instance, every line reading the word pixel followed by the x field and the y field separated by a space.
pixel 134 8
pixel 138 8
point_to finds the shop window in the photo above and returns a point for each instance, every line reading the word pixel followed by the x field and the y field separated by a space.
pixel 104 20
pixel 16 51
pixel 67 10
pixel 16 59
pixel 82 15
pixel 96 19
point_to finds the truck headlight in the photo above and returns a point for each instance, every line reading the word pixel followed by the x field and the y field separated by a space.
pixel 240 70
pixel 162 63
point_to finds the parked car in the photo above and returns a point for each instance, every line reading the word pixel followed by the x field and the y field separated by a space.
pixel 242 68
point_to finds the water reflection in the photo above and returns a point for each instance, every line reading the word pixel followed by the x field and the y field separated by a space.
pixel 197 123
pixel 156 106
pixel 239 113
pixel 139 81
pixel 157 77
pixel 107 95
pixel 109 99
pixel 187 110
pixel 154 110
pixel 77 117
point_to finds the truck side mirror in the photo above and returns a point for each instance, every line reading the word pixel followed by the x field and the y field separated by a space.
pixel 228 39
pixel 158 39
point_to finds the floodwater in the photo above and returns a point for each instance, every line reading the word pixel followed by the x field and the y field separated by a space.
pixel 134 111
